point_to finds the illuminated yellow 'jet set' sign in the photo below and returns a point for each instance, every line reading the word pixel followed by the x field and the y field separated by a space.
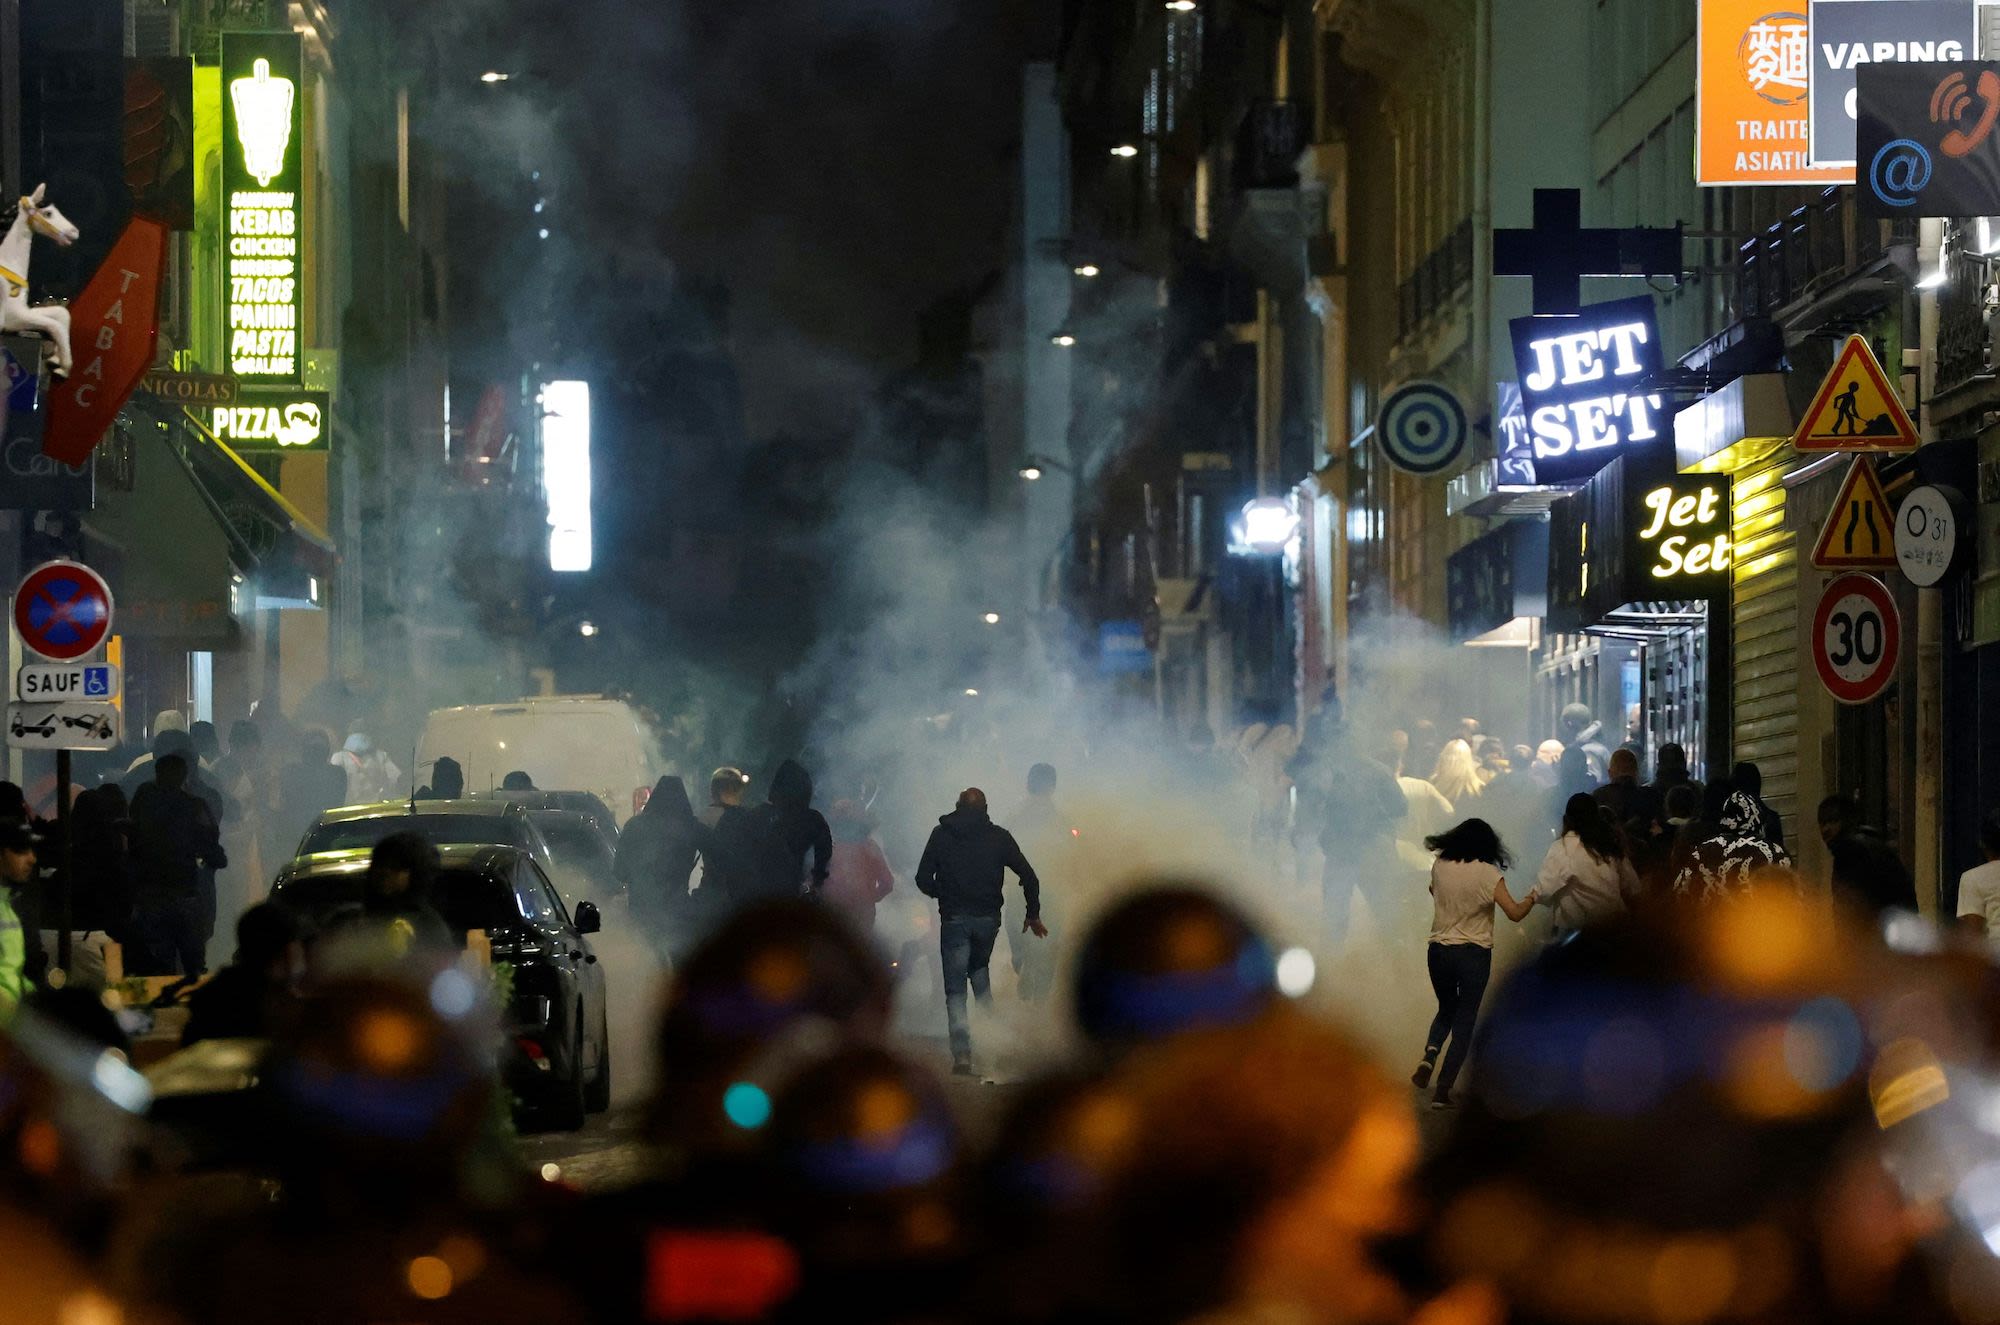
pixel 1686 532
pixel 263 267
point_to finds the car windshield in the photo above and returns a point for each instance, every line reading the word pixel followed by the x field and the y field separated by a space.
pixel 441 829
pixel 574 841
pixel 467 899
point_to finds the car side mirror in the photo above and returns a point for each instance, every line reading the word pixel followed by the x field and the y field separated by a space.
pixel 587 919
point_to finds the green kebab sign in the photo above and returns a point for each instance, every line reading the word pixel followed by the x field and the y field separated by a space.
pixel 263 132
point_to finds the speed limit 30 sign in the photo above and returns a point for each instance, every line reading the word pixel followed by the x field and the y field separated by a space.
pixel 1857 638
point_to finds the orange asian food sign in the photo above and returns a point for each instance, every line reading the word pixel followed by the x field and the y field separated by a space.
pixel 1753 65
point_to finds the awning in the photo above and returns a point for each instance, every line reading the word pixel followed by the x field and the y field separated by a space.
pixel 283 556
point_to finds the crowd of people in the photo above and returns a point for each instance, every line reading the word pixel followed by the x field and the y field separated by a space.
pixel 173 839
pixel 1752 1111
pixel 1704 1095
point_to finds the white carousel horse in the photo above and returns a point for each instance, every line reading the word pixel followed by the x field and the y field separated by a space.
pixel 51 320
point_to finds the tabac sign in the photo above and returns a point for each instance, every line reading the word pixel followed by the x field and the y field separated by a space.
pixel 263 132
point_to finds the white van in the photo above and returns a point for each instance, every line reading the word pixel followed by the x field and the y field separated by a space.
pixel 564 742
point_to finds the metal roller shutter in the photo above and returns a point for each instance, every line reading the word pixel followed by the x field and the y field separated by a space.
pixel 1764 609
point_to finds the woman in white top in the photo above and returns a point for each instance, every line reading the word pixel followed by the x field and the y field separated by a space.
pixel 1468 879
pixel 1587 876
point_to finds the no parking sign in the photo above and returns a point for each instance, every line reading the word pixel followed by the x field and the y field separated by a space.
pixel 62 610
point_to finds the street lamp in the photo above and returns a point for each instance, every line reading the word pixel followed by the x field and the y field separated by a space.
pixel 1032 473
pixel 1062 339
pixel 1087 270
pixel 494 76
pixel 970 693
pixel 1037 465
pixel 1126 150
pixel 1267 528
pixel 992 618
pixel 587 629
pixel 1182 6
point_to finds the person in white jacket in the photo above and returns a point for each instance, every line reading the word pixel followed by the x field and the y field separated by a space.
pixel 1587 876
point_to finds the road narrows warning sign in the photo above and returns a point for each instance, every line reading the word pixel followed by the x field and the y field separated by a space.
pixel 1857 408
pixel 1860 529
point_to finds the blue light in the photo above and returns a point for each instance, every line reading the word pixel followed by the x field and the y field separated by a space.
pixel 746 1105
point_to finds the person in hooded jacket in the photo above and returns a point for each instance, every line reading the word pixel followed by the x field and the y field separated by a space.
pixel 1670 770
pixel 964 867
pixel 1868 873
pixel 778 835
pixel 447 781
pixel 1727 864
pixel 656 857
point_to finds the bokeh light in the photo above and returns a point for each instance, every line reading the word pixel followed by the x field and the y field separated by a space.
pixel 746 1105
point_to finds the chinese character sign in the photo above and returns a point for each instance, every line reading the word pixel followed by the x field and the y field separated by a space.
pixel 263 256
pixel 1775 58
pixel 1753 73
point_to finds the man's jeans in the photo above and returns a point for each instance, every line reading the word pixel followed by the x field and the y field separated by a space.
pixel 173 934
pixel 965 943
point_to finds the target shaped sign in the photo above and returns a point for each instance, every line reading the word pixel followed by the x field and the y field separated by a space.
pixel 1857 638
pixel 1422 428
pixel 62 610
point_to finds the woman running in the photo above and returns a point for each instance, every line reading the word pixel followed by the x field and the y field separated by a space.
pixel 1587 875
pixel 1468 879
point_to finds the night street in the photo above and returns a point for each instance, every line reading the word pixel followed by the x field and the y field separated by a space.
pixel 1000 662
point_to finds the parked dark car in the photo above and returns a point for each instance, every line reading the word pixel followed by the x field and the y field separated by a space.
pixel 585 856
pixel 353 830
pixel 559 1060
pixel 538 801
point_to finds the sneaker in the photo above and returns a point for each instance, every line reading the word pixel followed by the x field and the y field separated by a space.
pixel 1422 1076
pixel 1443 1101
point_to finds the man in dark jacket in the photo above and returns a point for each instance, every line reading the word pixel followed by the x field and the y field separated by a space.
pixel 258 991
pixel 396 899
pixel 1867 871
pixel 779 833
pixel 1639 811
pixel 174 838
pixel 964 868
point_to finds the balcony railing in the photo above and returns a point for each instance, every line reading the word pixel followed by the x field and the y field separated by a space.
pixel 1807 252
pixel 1268 143
pixel 1965 330
pixel 1445 271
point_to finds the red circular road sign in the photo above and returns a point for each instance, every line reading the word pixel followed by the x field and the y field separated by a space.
pixel 62 610
pixel 1857 638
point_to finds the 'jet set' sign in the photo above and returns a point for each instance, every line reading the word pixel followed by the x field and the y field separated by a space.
pixel 1581 380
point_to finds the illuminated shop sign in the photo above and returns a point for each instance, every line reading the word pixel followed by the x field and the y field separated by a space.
pixel 1578 386
pixel 1753 70
pixel 1683 535
pixel 263 267
pixel 275 422
pixel 1638 534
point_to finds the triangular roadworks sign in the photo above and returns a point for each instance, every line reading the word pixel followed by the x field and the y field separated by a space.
pixel 1857 408
pixel 1860 530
